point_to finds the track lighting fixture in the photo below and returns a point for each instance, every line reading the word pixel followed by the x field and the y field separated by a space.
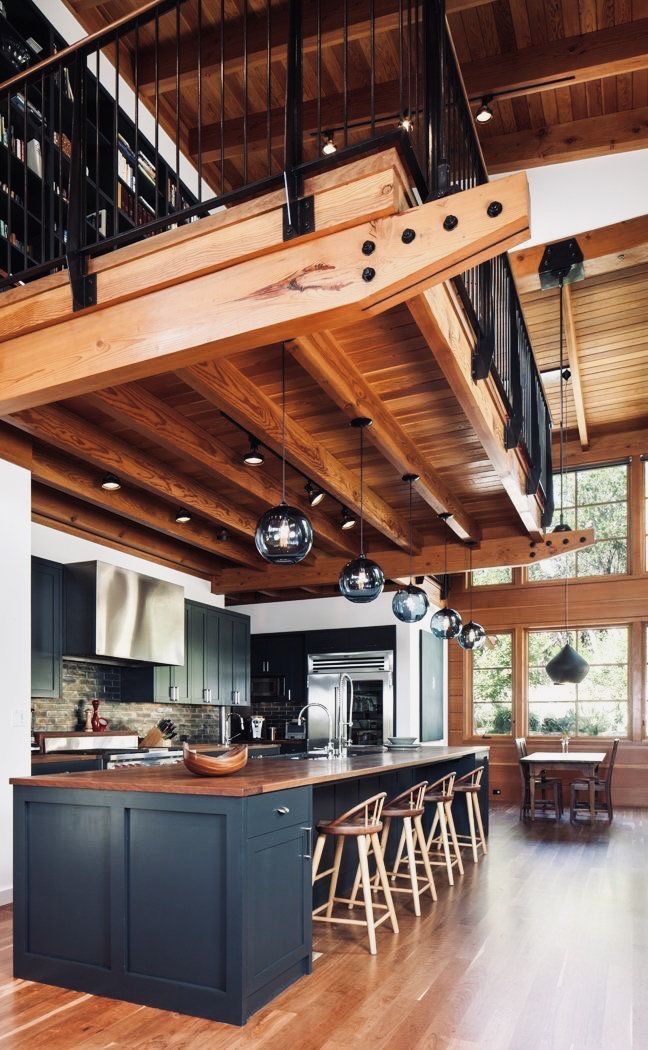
pixel 406 122
pixel 254 456
pixel 314 493
pixel 347 519
pixel 329 146
pixel 484 113
pixel 222 535
pixel 110 483
pixel 182 517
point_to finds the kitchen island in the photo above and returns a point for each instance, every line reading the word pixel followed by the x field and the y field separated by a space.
pixel 187 893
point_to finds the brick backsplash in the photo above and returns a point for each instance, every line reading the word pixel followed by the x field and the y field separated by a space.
pixel 82 681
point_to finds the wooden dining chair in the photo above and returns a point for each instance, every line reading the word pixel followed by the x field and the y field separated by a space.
pixel 602 789
pixel 543 783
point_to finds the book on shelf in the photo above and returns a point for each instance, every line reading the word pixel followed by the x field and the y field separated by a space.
pixel 103 221
pixel 138 210
pixel 35 157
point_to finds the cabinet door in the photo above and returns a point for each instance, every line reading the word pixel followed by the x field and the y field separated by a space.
pixel 225 660
pixel 241 660
pixel 180 673
pixel 263 654
pixel 279 896
pixel 212 654
pixel 46 628
pixel 195 655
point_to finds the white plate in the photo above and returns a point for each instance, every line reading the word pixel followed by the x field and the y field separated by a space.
pixel 402 747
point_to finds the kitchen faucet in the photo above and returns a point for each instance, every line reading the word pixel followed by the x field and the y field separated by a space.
pixel 226 726
pixel 344 721
pixel 331 751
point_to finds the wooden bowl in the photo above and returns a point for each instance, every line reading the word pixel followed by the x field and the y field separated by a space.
pixel 209 766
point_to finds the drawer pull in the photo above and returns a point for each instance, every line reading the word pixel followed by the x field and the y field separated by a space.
pixel 282 810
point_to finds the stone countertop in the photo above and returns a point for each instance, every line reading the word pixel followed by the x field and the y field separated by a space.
pixel 259 776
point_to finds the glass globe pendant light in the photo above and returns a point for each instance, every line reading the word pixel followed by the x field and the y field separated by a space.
pixel 446 623
pixel 284 535
pixel 472 635
pixel 567 666
pixel 410 603
pixel 361 580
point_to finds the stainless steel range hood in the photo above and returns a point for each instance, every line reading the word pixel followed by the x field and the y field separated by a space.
pixel 115 614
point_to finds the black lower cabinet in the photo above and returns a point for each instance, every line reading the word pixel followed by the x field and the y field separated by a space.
pixel 200 905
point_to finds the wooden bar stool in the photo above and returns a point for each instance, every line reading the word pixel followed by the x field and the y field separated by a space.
pixel 440 794
pixel 363 823
pixel 408 807
pixel 469 785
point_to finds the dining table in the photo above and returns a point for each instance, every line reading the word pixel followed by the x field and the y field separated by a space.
pixel 585 762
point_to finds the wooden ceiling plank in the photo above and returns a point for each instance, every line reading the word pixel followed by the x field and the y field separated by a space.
pixel 573 357
pixel 589 137
pixel 619 246
pixel 607 52
pixel 440 320
pixel 225 386
pixel 161 423
pixel 304 287
pixel 429 561
pixel 73 435
pixel 325 360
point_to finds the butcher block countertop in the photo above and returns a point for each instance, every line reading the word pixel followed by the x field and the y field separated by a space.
pixel 259 776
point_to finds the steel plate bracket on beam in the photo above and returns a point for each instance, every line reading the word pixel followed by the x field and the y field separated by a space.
pixel 298 217
pixel 82 284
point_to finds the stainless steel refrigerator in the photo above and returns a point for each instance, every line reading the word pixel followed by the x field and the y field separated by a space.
pixel 373 696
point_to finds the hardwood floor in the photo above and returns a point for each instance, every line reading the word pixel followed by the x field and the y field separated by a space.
pixel 542 946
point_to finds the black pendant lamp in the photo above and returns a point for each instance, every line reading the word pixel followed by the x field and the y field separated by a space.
pixel 361 580
pixel 284 535
pixel 472 635
pixel 410 603
pixel 446 623
pixel 567 666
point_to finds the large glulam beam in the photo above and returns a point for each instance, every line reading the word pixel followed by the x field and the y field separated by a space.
pixel 324 359
pixel 281 292
pixel 429 561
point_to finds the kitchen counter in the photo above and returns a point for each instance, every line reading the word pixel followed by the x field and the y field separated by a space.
pixel 259 777
pixel 188 893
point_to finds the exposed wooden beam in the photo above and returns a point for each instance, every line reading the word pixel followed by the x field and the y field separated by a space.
pixel 280 294
pixel 325 360
pixel 80 519
pixel 606 250
pixel 73 435
pixel 615 51
pixel 80 481
pixel 429 561
pixel 225 386
pixel 170 429
pixel 575 140
pixel 442 324
pixel 574 365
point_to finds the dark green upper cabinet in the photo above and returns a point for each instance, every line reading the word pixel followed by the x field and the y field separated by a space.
pixel 46 627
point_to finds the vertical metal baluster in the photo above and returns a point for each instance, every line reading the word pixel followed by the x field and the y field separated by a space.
pixel 97 151
pixel 156 116
pixel 400 59
pixel 116 141
pixel 222 94
pixel 318 74
pixel 245 93
pixel 269 85
pixel 345 72
pixel 199 100
pixel 43 168
pixel 372 58
pixel 177 120
pixel 9 167
pixel 417 59
pixel 25 176
pixel 409 58
pixel 137 149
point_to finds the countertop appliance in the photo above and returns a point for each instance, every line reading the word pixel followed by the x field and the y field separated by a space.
pixel 115 614
pixel 256 724
pixel 373 695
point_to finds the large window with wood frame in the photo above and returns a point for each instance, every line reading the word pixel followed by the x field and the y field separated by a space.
pixel 488 577
pixel 596 707
pixel 595 498
pixel 492 686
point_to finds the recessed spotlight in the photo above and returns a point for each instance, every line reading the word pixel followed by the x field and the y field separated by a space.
pixel 347 520
pixel 484 113
pixel 110 483
pixel 329 146
pixel 406 122
pixel 315 494
pixel 254 456
pixel 182 517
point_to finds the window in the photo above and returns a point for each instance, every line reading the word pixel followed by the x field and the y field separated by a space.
pixel 493 686
pixel 596 707
pixel 596 499
pixel 484 577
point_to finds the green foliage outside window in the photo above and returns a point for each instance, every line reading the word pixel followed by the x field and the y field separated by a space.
pixel 593 499
pixel 596 707
pixel 493 686
pixel 484 577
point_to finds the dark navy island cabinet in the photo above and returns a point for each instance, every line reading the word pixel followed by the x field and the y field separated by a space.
pixel 189 903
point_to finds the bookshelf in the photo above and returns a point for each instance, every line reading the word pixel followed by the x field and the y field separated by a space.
pixel 126 185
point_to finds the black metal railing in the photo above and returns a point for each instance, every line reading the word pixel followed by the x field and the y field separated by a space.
pixel 189 105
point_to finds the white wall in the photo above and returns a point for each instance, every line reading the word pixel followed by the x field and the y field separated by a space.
pixel 61 547
pixel 15 656
pixel 317 614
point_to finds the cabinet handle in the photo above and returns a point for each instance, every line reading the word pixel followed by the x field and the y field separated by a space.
pixel 207 696
pixel 308 855
pixel 282 810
